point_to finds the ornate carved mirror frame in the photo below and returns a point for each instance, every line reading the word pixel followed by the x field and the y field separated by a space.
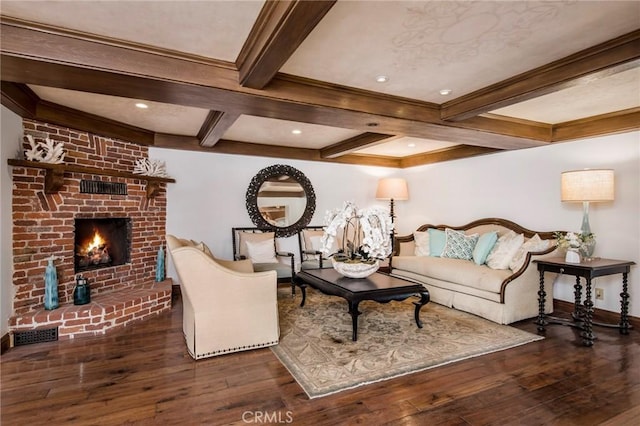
pixel 266 175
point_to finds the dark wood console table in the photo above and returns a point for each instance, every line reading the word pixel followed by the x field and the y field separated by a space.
pixel 582 316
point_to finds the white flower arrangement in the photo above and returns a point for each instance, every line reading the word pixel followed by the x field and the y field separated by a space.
pixel 45 152
pixel 574 240
pixel 366 233
pixel 147 167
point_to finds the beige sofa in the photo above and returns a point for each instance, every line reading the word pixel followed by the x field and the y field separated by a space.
pixel 226 306
pixel 500 295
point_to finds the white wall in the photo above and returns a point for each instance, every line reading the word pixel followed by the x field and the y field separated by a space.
pixel 208 198
pixel 524 186
pixel 11 134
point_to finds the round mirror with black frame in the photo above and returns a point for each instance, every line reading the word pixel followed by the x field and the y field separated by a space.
pixel 281 198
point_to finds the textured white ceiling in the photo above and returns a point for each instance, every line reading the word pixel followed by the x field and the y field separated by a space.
pixel 159 117
pixel 422 46
pixel 214 29
pixel 459 45
pixel 616 92
pixel 401 147
pixel 278 132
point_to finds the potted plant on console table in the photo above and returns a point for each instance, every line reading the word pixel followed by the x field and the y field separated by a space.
pixel 364 241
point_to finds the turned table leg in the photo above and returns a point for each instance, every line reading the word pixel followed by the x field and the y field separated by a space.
pixel 624 308
pixel 541 299
pixel 587 333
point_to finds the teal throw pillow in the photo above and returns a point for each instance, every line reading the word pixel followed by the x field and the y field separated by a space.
pixel 484 246
pixel 458 245
pixel 437 240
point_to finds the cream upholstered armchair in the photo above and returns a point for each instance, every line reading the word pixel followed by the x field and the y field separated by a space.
pixel 226 306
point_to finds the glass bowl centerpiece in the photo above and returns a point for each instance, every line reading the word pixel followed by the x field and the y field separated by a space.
pixel 357 239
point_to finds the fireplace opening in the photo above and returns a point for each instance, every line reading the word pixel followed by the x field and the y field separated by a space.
pixel 102 243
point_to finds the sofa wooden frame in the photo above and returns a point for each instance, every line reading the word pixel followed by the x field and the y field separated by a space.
pixel 528 233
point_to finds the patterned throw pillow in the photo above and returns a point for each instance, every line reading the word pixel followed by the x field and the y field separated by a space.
pixel 458 245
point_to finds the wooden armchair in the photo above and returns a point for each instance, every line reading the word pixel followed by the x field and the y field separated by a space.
pixel 259 246
pixel 309 244
pixel 226 306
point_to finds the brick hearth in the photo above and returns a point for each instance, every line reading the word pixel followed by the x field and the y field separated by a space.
pixel 43 225
pixel 106 311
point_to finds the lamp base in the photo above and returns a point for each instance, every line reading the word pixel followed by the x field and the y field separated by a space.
pixel 585 229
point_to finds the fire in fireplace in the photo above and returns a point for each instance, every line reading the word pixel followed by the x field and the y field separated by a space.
pixel 101 243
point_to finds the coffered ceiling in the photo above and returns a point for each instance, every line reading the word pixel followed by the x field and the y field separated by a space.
pixel 241 76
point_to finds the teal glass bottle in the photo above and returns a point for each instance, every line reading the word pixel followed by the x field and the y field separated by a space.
pixel 160 264
pixel 50 286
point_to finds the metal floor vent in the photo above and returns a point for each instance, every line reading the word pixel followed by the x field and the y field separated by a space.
pixel 35 336
pixel 99 187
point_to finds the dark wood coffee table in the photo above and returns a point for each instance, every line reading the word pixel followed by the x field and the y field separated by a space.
pixel 379 287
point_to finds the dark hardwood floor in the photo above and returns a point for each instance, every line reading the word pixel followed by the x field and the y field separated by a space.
pixel 143 375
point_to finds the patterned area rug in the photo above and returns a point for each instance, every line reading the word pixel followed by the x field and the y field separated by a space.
pixel 316 346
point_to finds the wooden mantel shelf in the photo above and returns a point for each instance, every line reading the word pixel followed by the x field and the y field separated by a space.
pixel 55 174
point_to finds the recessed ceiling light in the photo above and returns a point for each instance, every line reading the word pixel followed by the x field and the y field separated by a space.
pixel 445 92
pixel 296 131
pixel 382 79
pixel 142 105
pixel 412 145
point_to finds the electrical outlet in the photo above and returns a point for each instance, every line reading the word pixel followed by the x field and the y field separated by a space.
pixel 599 294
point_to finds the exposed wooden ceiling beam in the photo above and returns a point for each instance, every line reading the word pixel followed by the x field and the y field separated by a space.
pixel 253 149
pixel 215 126
pixel 409 120
pixel 598 61
pixel 24 102
pixel 605 124
pixel 75 119
pixel 280 28
pixel 355 143
pixel 106 68
pixel 445 154
pixel 19 99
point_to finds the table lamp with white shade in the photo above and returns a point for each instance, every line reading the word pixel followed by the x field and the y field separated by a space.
pixel 587 186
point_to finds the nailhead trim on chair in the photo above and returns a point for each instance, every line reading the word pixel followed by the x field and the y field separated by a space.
pixel 230 350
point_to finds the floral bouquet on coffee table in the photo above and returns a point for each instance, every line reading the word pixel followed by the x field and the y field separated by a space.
pixel 366 234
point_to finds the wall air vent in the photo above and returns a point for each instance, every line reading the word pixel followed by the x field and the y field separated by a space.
pixel 99 187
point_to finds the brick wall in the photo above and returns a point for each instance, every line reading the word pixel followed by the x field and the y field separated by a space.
pixel 43 224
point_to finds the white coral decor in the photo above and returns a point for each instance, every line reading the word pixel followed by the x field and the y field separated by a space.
pixel 45 152
pixel 366 233
pixel 147 167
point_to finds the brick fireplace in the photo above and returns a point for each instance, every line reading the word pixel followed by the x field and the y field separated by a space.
pixel 45 221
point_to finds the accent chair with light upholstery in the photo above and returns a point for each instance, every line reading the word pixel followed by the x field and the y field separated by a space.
pixel 227 307
pixel 309 242
pixel 259 246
